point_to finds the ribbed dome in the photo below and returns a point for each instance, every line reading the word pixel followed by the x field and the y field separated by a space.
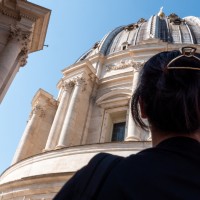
pixel 171 29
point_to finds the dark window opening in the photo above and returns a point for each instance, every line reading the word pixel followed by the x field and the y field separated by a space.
pixel 118 131
pixel 124 48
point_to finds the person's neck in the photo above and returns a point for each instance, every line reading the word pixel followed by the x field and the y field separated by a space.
pixel 158 137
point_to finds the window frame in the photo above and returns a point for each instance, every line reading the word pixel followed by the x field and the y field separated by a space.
pixel 124 122
pixel 112 116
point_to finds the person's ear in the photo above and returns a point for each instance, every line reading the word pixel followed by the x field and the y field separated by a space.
pixel 142 111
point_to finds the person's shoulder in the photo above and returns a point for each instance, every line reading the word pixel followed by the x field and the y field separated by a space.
pixel 139 165
pixel 126 175
pixel 102 156
pixel 141 157
pixel 119 162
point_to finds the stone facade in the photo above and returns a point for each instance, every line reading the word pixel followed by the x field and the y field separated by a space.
pixel 23 27
pixel 63 134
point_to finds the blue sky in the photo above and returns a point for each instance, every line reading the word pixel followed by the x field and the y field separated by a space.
pixel 74 27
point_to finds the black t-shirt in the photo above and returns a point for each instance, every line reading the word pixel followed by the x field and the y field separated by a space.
pixel 171 170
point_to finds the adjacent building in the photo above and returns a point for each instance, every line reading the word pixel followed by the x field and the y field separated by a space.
pixel 23 27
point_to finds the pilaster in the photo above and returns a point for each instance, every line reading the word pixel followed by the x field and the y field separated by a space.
pixel 52 140
pixel 36 113
pixel 68 125
pixel 36 132
pixel 133 132
pixel 16 48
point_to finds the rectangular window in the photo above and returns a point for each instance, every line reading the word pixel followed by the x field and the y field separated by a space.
pixel 114 120
pixel 118 131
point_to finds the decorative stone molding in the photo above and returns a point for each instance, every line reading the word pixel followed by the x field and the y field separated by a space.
pixel 125 64
pixel 8 12
pixel 24 38
pixel 67 85
pixel 92 78
pixel 130 27
pixel 141 20
pixel 93 98
pixel 175 19
pixel 138 65
pixel 96 45
pixel 29 17
pixel 23 55
pixel 80 81
pixel 15 14
pixel 37 110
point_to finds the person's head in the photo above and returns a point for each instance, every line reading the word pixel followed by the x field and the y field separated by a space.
pixel 169 92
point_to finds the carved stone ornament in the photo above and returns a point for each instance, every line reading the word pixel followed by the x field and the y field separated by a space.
pixel 67 85
pixel 141 20
pixel 15 14
pixel 20 35
pixel 138 65
pixel 37 110
pixel 96 45
pixel 131 27
pixel 80 81
pixel 9 12
pixel 28 16
pixel 24 38
pixel 23 55
pixel 175 19
pixel 125 64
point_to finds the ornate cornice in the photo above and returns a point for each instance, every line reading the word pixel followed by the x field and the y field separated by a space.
pixel 28 16
pixel 9 12
pixel 43 99
pixel 17 14
pixel 125 64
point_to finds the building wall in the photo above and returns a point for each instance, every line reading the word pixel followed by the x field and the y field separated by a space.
pixel 19 36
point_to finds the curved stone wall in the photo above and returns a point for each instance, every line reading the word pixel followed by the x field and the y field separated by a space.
pixel 41 176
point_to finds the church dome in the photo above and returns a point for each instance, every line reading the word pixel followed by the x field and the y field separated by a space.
pixel 171 29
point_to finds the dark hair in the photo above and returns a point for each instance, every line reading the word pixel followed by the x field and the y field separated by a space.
pixel 171 97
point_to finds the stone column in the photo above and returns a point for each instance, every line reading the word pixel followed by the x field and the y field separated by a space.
pixel 17 46
pixel 23 147
pixel 66 129
pixel 133 133
pixel 59 117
